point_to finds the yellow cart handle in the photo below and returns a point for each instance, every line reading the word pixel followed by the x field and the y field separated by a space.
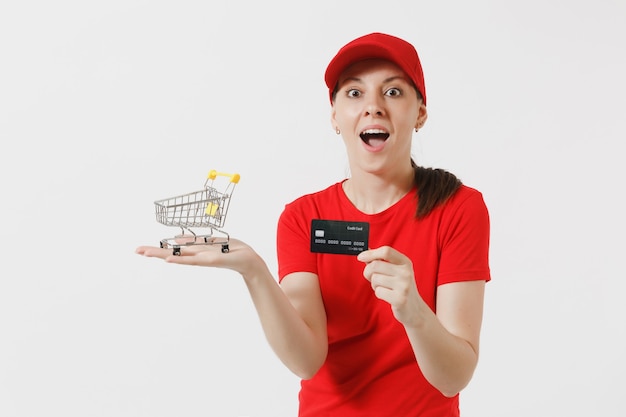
pixel 234 178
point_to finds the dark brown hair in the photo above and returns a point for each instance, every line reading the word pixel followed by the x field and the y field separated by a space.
pixel 434 187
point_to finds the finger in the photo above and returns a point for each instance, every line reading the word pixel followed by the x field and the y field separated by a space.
pixel 200 255
pixel 387 279
pixel 377 267
pixel 383 293
pixel 383 253
pixel 153 252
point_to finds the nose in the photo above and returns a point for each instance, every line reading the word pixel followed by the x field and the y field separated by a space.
pixel 374 106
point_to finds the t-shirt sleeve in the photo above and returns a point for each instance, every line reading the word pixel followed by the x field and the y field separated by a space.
pixel 293 242
pixel 465 240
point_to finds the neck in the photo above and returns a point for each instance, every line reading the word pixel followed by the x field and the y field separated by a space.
pixel 373 194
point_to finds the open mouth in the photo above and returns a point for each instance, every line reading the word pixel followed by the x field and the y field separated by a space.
pixel 374 137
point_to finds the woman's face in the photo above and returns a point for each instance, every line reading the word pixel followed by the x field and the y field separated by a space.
pixel 376 108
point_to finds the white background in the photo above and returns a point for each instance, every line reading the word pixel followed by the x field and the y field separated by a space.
pixel 108 106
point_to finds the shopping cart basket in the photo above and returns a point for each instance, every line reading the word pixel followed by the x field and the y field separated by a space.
pixel 205 208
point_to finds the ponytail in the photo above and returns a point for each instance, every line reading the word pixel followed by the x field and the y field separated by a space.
pixel 434 187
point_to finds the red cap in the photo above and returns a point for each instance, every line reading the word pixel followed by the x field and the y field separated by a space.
pixel 372 46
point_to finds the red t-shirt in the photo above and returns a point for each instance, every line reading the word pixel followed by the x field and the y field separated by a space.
pixel 370 370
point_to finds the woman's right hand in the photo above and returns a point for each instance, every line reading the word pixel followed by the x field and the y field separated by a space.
pixel 240 257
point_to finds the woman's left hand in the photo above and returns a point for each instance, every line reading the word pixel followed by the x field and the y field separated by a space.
pixel 392 278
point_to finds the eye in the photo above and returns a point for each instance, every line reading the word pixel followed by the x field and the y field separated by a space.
pixel 353 92
pixel 393 92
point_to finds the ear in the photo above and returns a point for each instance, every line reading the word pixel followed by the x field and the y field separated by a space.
pixel 333 120
pixel 422 115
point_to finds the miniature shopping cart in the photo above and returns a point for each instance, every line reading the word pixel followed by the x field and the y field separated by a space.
pixel 205 208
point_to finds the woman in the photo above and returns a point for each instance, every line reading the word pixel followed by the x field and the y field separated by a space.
pixel 394 330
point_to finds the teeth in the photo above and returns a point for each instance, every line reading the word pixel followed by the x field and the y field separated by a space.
pixel 374 131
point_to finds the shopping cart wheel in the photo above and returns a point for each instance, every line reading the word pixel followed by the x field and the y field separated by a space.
pixel 176 250
pixel 225 248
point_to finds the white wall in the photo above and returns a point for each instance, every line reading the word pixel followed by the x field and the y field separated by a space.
pixel 108 106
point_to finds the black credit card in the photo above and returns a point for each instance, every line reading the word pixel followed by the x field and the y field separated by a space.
pixel 339 237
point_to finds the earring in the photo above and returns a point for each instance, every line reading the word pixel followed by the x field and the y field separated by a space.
pixel 338 131
pixel 417 129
